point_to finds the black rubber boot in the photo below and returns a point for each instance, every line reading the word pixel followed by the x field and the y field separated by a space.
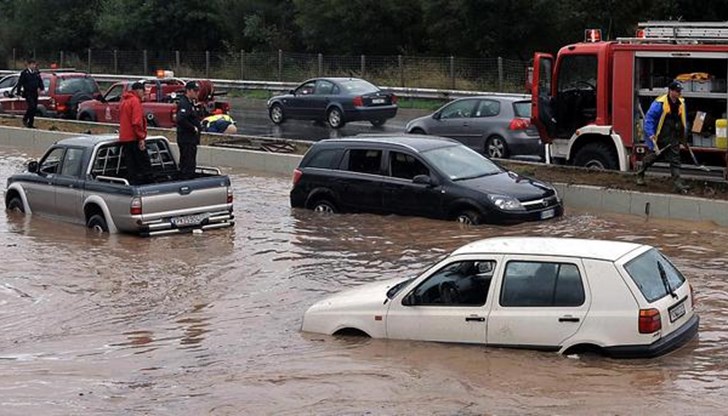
pixel 679 186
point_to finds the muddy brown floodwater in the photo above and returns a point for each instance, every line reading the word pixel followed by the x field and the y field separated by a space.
pixel 210 324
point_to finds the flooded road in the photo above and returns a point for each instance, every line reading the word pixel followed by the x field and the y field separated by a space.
pixel 209 324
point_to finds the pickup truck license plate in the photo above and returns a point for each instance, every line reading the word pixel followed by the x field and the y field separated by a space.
pixel 549 213
pixel 188 220
pixel 377 100
pixel 677 311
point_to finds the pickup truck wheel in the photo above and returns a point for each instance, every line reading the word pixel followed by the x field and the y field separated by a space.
pixel 97 223
pixel 85 117
pixel 16 204
pixel 468 217
pixel 335 118
pixel 324 205
pixel 276 114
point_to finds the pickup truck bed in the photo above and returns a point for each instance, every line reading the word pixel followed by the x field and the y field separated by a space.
pixel 83 180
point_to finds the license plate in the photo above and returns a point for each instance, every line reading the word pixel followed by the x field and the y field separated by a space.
pixel 677 311
pixel 189 220
pixel 378 100
pixel 549 213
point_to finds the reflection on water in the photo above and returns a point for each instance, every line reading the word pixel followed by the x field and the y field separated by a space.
pixel 209 324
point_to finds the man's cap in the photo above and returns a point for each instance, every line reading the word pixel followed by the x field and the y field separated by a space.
pixel 192 85
pixel 675 86
pixel 137 86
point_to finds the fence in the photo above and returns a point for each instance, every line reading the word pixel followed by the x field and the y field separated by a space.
pixel 454 73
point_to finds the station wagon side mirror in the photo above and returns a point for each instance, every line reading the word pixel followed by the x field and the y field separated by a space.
pixel 292 92
pixel 33 166
pixel 422 180
pixel 436 116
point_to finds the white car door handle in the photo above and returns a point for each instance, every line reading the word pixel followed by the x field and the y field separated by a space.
pixel 568 318
pixel 474 319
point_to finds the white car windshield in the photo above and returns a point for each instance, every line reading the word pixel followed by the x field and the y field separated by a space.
pixel 461 162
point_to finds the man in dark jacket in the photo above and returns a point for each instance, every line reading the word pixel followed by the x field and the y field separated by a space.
pixel 132 135
pixel 188 130
pixel 29 87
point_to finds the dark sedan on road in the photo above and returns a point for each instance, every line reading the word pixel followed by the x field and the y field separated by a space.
pixel 496 125
pixel 335 101
pixel 417 175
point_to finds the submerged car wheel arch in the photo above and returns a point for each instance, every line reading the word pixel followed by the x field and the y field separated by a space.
pixel 95 202
pixel 321 193
pixel 460 205
pixel 17 189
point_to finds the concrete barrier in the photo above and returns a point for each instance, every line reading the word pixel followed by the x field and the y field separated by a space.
pixel 583 197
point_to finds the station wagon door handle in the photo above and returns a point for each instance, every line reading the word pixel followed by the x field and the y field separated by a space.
pixel 474 319
pixel 568 318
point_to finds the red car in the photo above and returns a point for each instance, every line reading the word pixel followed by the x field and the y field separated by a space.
pixel 64 91
pixel 159 102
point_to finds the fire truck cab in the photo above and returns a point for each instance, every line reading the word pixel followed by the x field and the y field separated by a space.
pixel 589 103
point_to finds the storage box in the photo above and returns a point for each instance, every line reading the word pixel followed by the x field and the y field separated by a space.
pixel 700 140
pixel 718 85
pixel 701 86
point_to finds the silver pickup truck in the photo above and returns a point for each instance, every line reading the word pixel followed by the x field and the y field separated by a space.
pixel 83 180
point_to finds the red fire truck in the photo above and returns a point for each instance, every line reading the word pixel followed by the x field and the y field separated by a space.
pixel 589 102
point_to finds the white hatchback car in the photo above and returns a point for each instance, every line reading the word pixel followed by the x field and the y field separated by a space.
pixel 568 295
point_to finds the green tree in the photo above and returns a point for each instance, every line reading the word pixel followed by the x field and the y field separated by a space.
pixel 360 26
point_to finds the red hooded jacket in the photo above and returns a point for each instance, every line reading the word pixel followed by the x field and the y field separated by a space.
pixel 132 124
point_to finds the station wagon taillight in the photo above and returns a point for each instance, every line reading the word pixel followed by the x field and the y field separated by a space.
pixel 649 321
pixel 229 195
pixel 519 124
pixel 296 176
pixel 136 206
pixel 394 99
pixel 358 102
pixel 61 108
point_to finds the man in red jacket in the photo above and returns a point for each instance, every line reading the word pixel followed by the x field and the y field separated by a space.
pixel 132 132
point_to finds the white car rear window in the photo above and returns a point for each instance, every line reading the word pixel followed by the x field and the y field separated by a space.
pixel 646 275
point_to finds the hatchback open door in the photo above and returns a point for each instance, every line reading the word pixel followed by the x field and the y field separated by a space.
pixel 542 115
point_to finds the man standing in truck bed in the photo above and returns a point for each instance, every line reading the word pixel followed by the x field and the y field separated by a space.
pixel 188 130
pixel 132 135
pixel 665 128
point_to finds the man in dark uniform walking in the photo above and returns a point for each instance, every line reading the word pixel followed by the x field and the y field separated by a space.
pixel 29 87
pixel 188 130
pixel 665 129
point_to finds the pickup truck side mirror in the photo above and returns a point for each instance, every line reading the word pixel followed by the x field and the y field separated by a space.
pixel 33 166
pixel 292 92
pixel 422 180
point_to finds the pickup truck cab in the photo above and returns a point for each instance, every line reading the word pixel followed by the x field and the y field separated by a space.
pixel 159 102
pixel 83 180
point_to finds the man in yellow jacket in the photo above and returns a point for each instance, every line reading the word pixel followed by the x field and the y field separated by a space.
pixel 665 129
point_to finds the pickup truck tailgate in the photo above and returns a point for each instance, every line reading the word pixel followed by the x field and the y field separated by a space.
pixel 173 199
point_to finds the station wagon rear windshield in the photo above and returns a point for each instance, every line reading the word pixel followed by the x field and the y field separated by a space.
pixel 460 162
pixel 646 275
pixel 357 86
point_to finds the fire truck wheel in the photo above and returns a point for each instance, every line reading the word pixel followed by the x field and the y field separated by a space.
pixel 597 156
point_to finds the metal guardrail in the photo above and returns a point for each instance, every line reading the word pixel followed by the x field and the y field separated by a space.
pixel 275 86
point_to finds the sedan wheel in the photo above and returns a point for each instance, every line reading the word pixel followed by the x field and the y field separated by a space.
pixel 335 118
pixel 496 147
pixel 324 206
pixel 468 218
pixel 377 122
pixel 276 114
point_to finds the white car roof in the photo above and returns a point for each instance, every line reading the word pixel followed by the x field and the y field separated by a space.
pixel 549 246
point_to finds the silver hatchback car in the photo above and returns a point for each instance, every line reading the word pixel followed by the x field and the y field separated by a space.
pixel 496 125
